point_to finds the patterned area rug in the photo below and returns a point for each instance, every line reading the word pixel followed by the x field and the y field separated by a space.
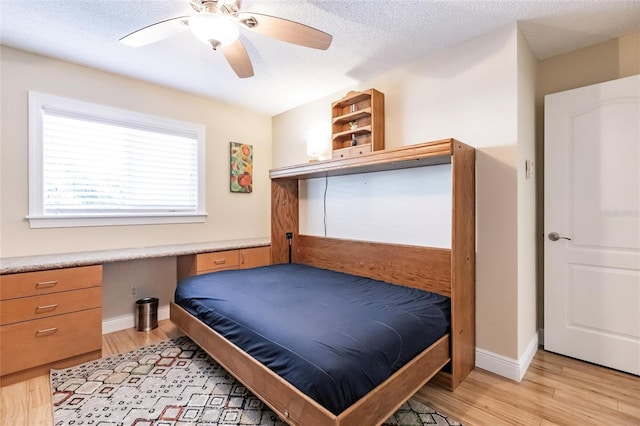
pixel 174 383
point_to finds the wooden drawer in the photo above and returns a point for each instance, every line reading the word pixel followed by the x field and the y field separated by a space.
pixel 218 261
pixel 47 305
pixel 354 151
pixel 33 343
pixel 44 282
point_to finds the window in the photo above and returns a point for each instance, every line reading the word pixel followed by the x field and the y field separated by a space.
pixel 91 165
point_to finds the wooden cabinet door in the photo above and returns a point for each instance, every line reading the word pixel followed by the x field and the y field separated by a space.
pixel 254 257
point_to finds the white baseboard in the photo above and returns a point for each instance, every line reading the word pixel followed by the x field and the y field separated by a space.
pixel 527 356
pixel 129 321
pixel 510 368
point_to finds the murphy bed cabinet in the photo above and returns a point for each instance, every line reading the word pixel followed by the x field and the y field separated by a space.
pixel 202 263
pixel 357 124
pixel 285 219
pixel 49 319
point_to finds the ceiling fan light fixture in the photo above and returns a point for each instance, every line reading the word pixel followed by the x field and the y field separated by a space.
pixel 217 23
pixel 214 29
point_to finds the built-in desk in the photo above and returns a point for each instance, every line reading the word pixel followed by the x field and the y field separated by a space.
pixel 12 265
pixel 51 305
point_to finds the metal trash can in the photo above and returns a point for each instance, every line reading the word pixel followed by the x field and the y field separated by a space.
pixel 147 314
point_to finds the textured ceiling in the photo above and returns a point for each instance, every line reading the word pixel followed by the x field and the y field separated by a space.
pixel 369 38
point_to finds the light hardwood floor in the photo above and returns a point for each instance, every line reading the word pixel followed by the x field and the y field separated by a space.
pixel 555 391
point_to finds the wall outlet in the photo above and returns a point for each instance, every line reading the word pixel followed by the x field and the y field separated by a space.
pixel 133 291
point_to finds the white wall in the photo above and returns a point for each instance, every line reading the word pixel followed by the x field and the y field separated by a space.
pixel 527 234
pixel 231 216
pixel 469 92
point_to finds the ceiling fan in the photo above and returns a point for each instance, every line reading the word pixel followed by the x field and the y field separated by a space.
pixel 217 23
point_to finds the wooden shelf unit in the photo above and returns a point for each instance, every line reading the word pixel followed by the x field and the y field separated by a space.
pixel 427 154
pixel 365 110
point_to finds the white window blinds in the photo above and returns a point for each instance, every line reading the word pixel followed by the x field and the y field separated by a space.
pixel 97 162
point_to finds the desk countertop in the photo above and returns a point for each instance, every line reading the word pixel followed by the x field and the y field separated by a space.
pixel 11 265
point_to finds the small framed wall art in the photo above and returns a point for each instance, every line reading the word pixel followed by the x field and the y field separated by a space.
pixel 241 179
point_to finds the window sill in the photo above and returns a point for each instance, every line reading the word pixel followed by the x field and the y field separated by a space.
pixel 69 221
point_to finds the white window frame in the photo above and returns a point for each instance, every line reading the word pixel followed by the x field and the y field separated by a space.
pixel 40 103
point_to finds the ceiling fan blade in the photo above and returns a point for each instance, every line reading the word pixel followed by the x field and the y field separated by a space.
pixel 285 30
pixel 238 58
pixel 155 32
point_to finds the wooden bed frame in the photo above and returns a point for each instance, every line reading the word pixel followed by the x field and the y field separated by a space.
pixel 450 272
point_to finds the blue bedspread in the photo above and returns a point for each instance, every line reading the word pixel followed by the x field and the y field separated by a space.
pixel 333 336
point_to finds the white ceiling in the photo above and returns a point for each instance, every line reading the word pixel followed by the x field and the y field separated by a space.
pixel 369 38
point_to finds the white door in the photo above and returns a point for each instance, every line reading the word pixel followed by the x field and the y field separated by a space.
pixel 592 204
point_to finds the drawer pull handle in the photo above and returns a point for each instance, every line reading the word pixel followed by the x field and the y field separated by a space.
pixel 46 284
pixel 219 261
pixel 46 308
pixel 46 332
pixel 242 258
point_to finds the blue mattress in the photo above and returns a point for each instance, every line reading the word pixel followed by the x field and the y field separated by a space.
pixel 333 336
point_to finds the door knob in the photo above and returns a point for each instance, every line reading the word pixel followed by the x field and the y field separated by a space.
pixel 554 236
